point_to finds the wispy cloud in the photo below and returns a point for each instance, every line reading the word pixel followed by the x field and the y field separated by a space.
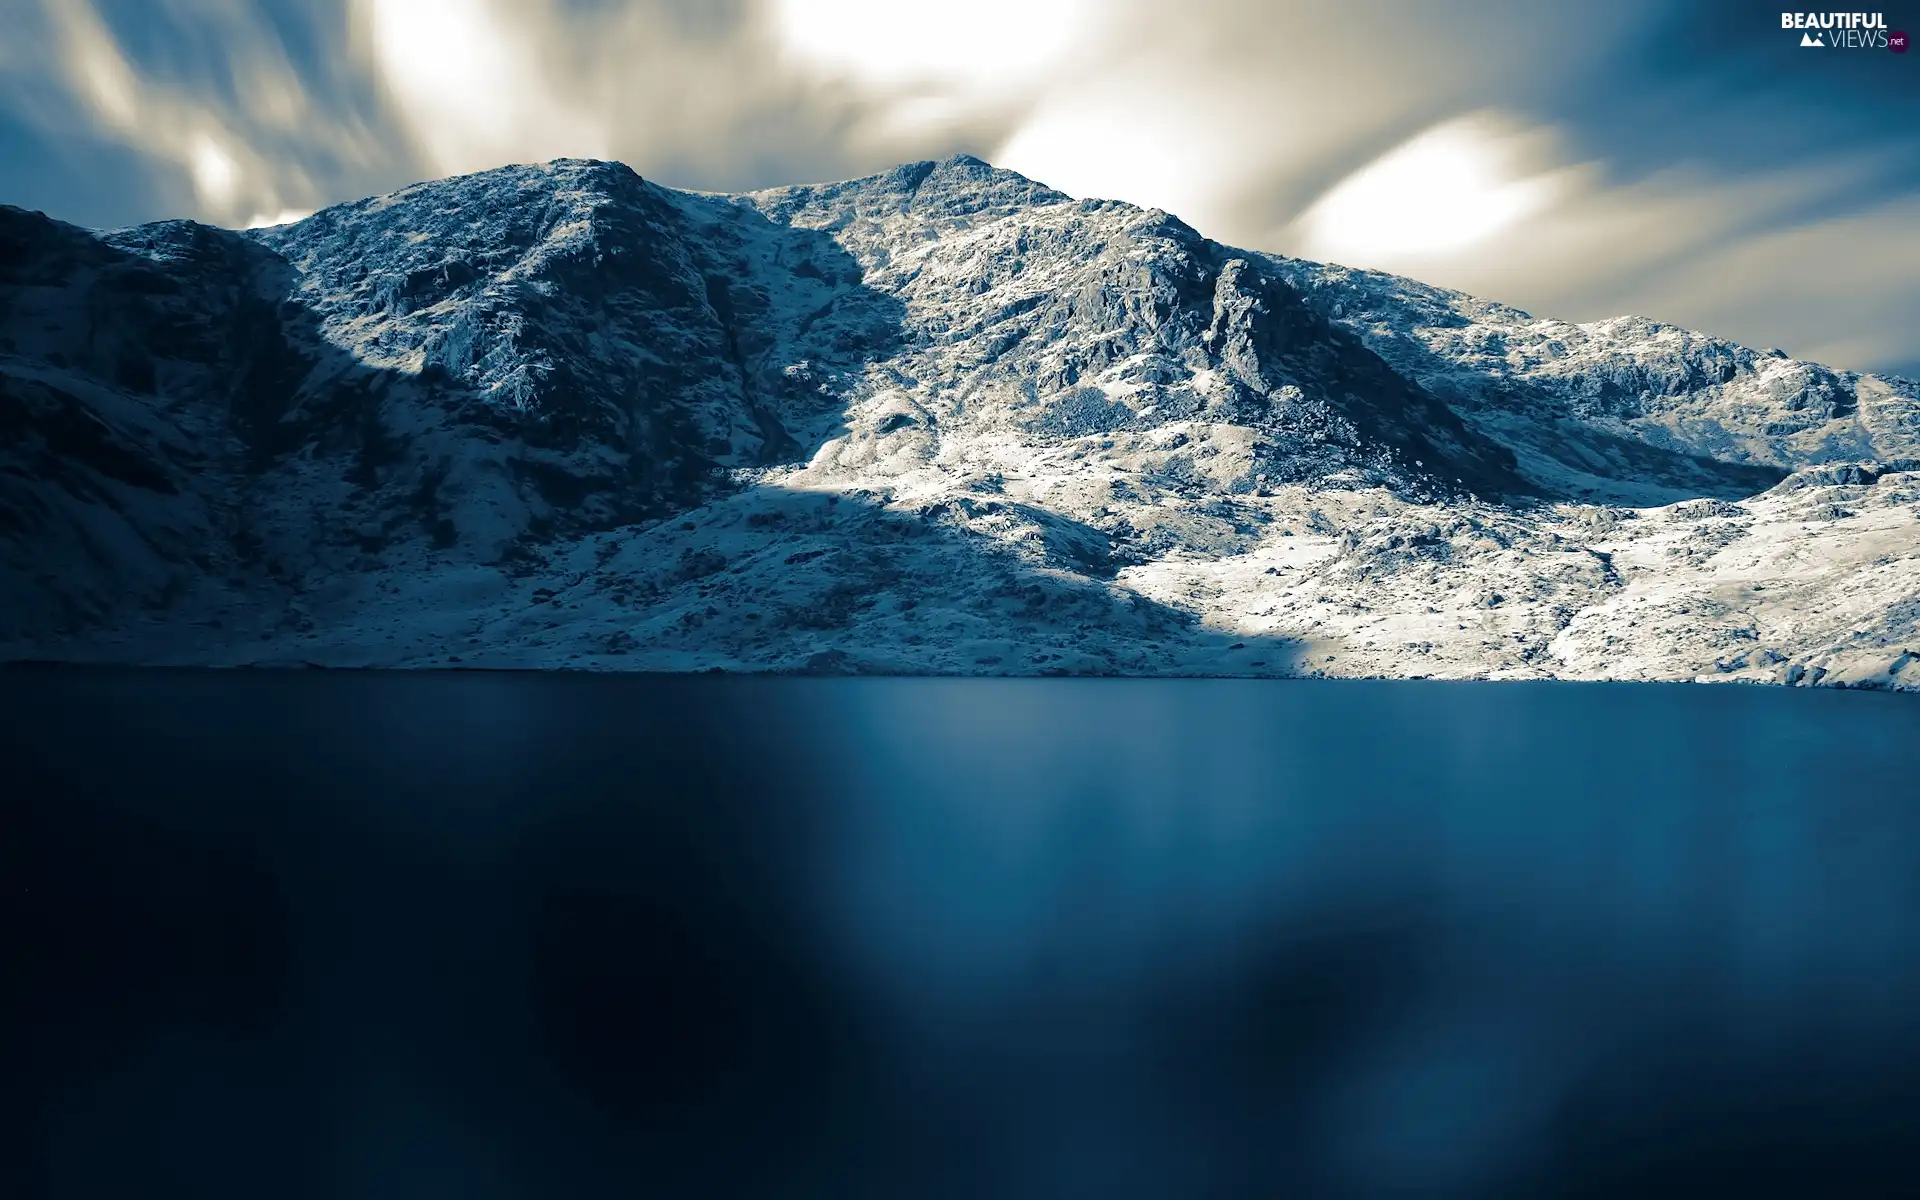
pixel 218 100
pixel 743 96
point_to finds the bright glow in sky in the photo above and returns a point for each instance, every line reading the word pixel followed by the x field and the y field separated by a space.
pixel 215 174
pixel 1125 139
pixel 1442 192
pixel 966 45
pixel 284 217
pixel 471 90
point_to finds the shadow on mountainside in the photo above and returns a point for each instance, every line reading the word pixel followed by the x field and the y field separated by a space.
pixel 175 414
pixel 794 580
pixel 1572 461
pixel 195 465
pixel 1549 426
pixel 138 393
pixel 1563 456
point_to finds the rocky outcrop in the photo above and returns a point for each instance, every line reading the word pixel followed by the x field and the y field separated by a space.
pixel 1625 409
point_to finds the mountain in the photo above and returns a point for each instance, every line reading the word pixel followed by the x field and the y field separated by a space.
pixel 1627 410
pixel 940 419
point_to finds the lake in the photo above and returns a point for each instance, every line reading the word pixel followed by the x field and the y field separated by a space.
pixel 476 935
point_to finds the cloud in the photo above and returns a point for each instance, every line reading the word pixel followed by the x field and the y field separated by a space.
pixel 752 96
pixel 1445 192
pixel 1844 290
pixel 1255 107
pixel 234 119
pixel 472 88
pixel 1737 256
pixel 1131 132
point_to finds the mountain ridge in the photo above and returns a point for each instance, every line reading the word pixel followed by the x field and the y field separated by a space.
pixel 1061 436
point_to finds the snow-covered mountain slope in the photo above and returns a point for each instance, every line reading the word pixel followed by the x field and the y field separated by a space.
pixel 940 419
pixel 1628 409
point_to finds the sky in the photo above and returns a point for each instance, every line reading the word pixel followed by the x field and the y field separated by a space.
pixel 1690 162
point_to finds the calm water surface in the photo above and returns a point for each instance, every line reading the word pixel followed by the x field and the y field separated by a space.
pixel 473 936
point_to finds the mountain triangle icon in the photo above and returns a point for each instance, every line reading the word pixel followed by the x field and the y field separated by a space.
pixel 1808 39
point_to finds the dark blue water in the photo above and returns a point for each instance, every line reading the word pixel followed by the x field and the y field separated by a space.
pixel 476 936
